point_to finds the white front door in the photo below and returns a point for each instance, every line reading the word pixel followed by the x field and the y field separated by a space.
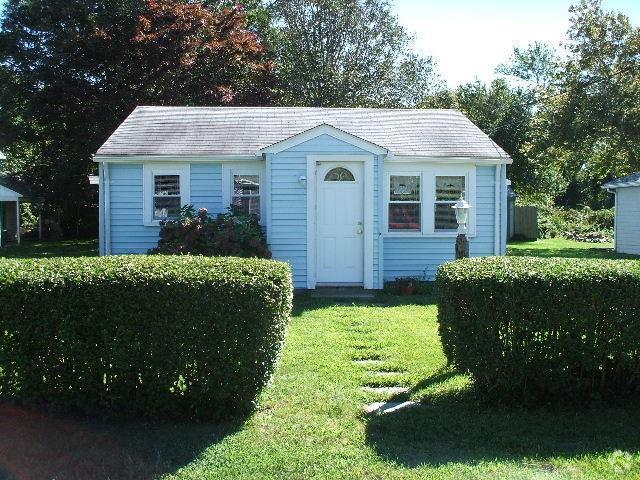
pixel 339 223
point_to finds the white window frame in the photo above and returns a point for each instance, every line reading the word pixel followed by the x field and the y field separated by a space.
pixel 255 168
pixel 388 201
pixel 260 196
pixel 150 170
pixel 428 194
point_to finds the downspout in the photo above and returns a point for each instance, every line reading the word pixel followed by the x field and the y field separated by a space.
pixel 496 213
pixel 18 221
pixel 107 210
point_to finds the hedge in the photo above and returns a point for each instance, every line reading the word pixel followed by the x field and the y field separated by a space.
pixel 533 329
pixel 178 336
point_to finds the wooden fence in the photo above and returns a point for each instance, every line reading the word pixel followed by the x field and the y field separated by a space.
pixel 525 222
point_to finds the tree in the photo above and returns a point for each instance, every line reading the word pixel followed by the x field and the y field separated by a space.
pixel 72 70
pixel 348 53
pixel 503 112
pixel 590 121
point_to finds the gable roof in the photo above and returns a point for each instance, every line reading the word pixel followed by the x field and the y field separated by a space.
pixel 12 183
pixel 247 130
pixel 632 180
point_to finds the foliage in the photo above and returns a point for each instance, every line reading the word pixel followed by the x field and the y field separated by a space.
pixel 348 53
pixel 229 234
pixel 587 126
pixel 535 329
pixel 503 112
pixel 150 335
pixel 582 224
pixel 71 71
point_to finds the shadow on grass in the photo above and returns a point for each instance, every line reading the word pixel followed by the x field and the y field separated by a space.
pixel 34 445
pixel 456 427
pixel 530 249
pixel 66 248
pixel 304 302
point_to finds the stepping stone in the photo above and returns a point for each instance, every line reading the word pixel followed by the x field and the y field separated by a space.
pixel 368 361
pixel 388 407
pixel 384 374
pixel 386 390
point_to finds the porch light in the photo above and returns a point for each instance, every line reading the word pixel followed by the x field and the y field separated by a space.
pixel 302 180
pixel 461 208
pixel 462 214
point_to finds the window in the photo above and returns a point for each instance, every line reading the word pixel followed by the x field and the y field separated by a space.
pixel 166 196
pixel 166 190
pixel 339 174
pixel 449 189
pixel 246 194
pixel 404 203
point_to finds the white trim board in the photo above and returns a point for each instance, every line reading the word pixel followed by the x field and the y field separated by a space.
pixel 323 129
pixel 312 161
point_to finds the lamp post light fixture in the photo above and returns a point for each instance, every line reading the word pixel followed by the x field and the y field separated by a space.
pixel 461 208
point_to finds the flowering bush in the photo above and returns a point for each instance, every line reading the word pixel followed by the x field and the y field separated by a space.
pixel 229 234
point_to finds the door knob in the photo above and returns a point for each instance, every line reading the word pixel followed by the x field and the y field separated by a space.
pixel 359 228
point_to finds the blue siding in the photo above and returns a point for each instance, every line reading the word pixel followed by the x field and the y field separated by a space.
pixel 288 236
pixel 206 187
pixel 128 232
pixel 421 256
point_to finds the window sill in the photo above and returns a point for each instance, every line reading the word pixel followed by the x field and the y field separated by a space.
pixel 425 235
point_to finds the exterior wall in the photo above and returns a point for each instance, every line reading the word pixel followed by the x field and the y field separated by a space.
pixel 128 233
pixel 285 199
pixel 627 229
pixel 288 222
pixel 420 256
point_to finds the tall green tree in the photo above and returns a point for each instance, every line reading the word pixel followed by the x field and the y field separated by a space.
pixel 72 70
pixel 590 120
pixel 348 53
pixel 502 111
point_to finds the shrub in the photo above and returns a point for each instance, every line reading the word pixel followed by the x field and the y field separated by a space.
pixel 530 328
pixel 582 224
pixel 184 336
pixel 229 234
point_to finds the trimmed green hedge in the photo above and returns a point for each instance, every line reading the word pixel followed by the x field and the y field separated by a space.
pixel 179 336
pixel 534 328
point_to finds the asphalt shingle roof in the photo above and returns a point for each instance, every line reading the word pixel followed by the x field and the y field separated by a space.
pixel 245 130
pixel 632 180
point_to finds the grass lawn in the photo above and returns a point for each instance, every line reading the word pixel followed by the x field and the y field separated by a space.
pixel 310 422
pixel 561 247
pixel 66 248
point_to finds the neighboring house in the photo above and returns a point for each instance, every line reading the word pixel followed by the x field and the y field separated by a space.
pixel 346 196
pixel 11 194
pixel 627 223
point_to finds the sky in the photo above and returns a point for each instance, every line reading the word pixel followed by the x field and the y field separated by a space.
pixel 470 38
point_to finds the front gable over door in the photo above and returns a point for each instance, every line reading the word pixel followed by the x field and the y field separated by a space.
pixel 318 131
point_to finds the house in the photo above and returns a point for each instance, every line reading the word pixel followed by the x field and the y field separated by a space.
pixel 627 207
pixel 12 193
pixel 346 196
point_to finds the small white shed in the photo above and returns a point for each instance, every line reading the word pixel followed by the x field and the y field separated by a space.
pixel 627 226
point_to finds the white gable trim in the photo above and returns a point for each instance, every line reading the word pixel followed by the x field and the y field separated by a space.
pixel 615 184
pixel 323 129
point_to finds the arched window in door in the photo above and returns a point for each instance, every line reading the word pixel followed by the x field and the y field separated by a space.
pixel 339 174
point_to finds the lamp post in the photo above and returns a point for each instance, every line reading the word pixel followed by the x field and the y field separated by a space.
pixel 462 215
